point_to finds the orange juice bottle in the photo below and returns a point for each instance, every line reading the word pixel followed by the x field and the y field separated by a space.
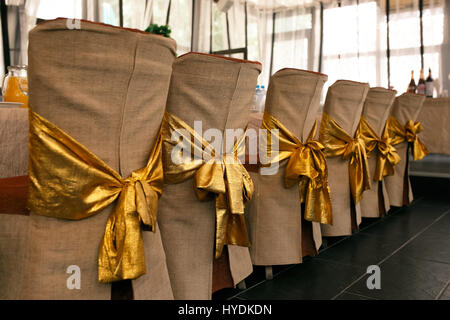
pixel 15 85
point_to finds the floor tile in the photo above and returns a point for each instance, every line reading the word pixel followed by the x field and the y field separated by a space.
pixel 362 249
pixel 406 223
pixel 314 279
pixel 433 244
pixel 446 294
pixel 352 296
pixel 407 278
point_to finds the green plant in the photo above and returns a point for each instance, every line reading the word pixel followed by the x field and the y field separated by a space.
pixel 163 30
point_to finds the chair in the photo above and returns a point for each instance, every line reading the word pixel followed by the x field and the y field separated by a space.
pixel 215 93
pixel 376 110
pixel 406 108
pixel 344 104
pixel 94 84
pixel 279 232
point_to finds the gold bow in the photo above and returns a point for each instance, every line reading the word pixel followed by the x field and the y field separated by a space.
pixel 337 142
pixel 68 181
pixel 221 177
pixel 408 133
pixel 387 154
pixel 306 167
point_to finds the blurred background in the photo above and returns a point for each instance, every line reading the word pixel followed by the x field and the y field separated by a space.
pixel 375 41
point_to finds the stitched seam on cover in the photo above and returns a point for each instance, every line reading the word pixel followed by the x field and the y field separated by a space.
pixel 232 102
pixel 122 116
pixel 304 134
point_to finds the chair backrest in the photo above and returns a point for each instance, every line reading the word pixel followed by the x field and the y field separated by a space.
pixel 293 98
pixel 215 90
pixel 407 107
pixel 103 85
pixel 377 107
pixel 344 103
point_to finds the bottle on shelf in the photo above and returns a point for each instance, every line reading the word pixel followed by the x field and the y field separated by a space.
pixel 421 86
pixel 255 99
pixel 412 84
pixel 262 101
pixel 429 85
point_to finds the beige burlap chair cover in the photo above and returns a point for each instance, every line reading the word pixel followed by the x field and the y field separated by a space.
pixel 435 117
pixel 13 227
pixel 13 142
pixel 218 92
pixel 406 107
pixel 275 216
pixel 107 88
pixel 344 103
pixel 376 110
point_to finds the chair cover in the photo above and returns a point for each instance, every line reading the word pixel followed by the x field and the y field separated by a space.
pixel 406 107
pixel 218 92
pixel 376 110
pixel 275 216
pixel 344 103
pixel 93 83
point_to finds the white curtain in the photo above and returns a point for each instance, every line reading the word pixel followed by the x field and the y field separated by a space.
pixel 137 14
pixel 354 33
pixel 264 29
pixel 404 39
pixel 236 23
pixel 295 42
pixel 293 39
pixel 204 26
pixel 27 19
pixel 354 42
pixel 180 20
pixel 433 37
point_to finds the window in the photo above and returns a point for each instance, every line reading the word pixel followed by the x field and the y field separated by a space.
pixel 110 12
pixel 293 38
pixel 354 43
pixel 405 42
pixel 52 9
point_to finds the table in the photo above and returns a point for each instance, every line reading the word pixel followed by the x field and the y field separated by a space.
pixel 13 142
pixel 435 118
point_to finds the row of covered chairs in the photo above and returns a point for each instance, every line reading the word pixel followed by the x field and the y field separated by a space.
pixel 108 107
pixel 366 134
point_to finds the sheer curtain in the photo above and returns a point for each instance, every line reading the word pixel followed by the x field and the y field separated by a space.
pixel 291 42
pixel 354 42
pixel 293 39
pixel 27 22
pixel 404 39
pixel 180 20
pixel 435 54
pixel 204 26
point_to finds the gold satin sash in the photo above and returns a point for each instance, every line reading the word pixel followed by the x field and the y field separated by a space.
pixel 387 154
pixel 408 133
pixel 68 181
pixel 223 178
pixel 337 143
pixel 306 167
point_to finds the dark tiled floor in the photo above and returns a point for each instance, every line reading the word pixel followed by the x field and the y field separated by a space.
pixel 411 246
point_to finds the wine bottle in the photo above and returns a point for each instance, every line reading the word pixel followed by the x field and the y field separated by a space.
pixel 412 84
pixel 429 85
pixel 421 84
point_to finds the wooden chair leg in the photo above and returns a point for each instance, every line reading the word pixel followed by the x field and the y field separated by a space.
pixel 269 273
pixel 324 243
pixel 242 285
